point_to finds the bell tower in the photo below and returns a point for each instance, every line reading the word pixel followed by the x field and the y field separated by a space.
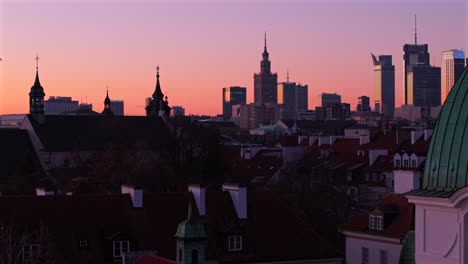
pixel 36 98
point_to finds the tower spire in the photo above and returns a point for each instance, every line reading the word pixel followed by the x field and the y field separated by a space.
pixel 415 30
pixel 265 42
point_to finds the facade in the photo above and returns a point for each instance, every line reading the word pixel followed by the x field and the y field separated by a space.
pixel 117 107
pixel 423 84
pixel 413 113
pixel 293 98
pixel 58 104
pixel 441 225
pixel 252 116
pixel 384 85
pixel 453 63
pixel 234 95
pixel 326 99
pixel 413 55
pixel 177 111
pixel 265 82
pixel 333 112
pixel 363 104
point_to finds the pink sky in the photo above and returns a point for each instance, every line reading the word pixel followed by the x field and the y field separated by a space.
pixel 202 46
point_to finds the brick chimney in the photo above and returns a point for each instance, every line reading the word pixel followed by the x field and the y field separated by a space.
pixel 136 193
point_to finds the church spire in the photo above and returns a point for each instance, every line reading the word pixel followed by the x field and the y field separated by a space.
pixel 157 103
pixel 36 98
pixel 107 105
pixel 265 49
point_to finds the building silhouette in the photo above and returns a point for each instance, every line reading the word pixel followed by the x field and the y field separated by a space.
pixel 233 95
pixel 117 107
pixel 177 111
pixel 107 106
pixel 36 98
pixel 265 82
pixel 384 85
pixel 293 99
pixel 424 86
pixel 413 55
pixel 58 104
pixel 453 63
pixel 326 99
pixel 158 105
pixel 363 104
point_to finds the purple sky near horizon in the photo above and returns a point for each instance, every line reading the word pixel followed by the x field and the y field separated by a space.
pixel 202 46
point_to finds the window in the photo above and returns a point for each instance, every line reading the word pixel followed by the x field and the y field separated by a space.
pixel 379 223
pixel 383 257
pixel 180 255
pixel 413 163
pixel 83 243
pixel 194 256
pixel 121 247
pixel 371 221
pixel 405 163
pixel 235 243
pixel 365 255
pixel 30 252
pixel 380 196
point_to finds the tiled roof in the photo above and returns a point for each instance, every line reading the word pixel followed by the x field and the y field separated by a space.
pixel 399 225
pixel 85 132
pixel 420 147
pixel 152 259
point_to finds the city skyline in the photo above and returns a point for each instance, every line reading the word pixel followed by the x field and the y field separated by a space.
pixel 81 55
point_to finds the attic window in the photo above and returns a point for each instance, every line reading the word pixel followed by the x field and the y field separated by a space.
pixel 405 163
pixel 376 222
pixel 397 162
pixel 83 243
pixel 413 163
pixel 120 247
pixel 235 243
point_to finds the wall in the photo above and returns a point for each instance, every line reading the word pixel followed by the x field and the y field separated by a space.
pixel 354 247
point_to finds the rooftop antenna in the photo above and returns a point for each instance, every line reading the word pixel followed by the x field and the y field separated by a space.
pixel 415 30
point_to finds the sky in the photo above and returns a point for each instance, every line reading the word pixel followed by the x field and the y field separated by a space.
pixel 203 46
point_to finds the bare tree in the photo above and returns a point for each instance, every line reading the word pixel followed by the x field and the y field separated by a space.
pixel 12 244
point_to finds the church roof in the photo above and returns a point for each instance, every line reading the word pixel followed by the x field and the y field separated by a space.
pixel 446 169
pixel 94 132
pixel 37 90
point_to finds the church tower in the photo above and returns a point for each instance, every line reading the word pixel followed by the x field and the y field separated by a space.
pixel 36 98
pixel 107 106
pixel 191 240
pixel 159 104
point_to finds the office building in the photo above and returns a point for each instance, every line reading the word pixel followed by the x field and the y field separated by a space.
pixel 326 99
pixel 117 107
pixel 293 99
pixel 363 104
pixel 424 86
pixel 384 85
pixel 233 96
pixel 58 104
pixel 453 63
pixel 265 82
pixel 339 111
pixel 177 111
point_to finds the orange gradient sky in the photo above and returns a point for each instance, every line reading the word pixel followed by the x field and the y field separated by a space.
pixel 202 46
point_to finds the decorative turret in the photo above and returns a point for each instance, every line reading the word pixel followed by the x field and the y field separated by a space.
pixel 158 106
pixel 36 98
pixel 191 238
pixel 107 105
pixel 265 65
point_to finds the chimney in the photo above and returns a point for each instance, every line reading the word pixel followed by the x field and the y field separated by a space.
pixel 415 135
pixel 238 195
pixel 44 191
pixel 199 195
pixel 136 194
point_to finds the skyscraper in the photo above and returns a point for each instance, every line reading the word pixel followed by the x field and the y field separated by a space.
pixel 424 86
pixel 384 85
pixel 293 98
pixel 453 63
pixel 117 107
pixel 265 82
pixel 413 55
pixel 234 95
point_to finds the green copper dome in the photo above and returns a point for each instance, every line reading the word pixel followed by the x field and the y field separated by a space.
pixel 446 168
pixel 190 228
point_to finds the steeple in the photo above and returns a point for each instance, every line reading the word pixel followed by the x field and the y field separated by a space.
pixel 265 63
pixel 107 105
pixel 265 49
pixel 157 103
pixel 36 98
pixel 191 239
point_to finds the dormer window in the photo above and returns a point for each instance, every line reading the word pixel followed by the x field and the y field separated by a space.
pixel 413 163
pixel 376 222
pixel 405 163
pixel 120 247
pixel 235 243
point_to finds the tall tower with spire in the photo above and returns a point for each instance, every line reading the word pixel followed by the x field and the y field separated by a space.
pixel 414 55
pixel 159 104
pixel 36 98
pixel 265 82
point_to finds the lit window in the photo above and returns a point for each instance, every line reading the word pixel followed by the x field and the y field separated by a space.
pixel 30 252
pixel 379 223
pixel 121 247
pixel 365 255
pixel 383 257
pixel 235 243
